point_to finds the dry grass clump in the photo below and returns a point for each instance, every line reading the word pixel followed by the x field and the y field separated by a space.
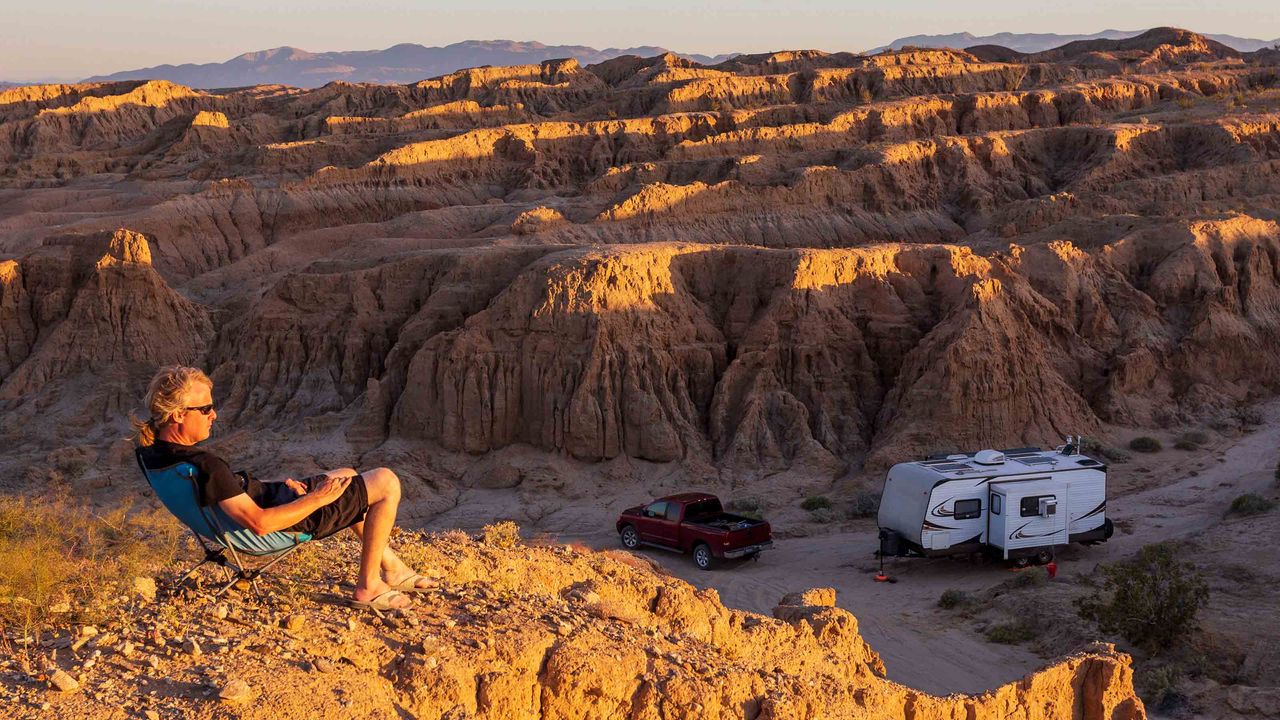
pixel 505 534
pixel 58 551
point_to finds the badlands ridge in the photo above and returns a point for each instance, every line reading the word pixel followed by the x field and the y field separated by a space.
pixel 832 260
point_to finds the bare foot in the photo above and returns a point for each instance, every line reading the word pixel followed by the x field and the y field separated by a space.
pixel 366 594
pixel 422 582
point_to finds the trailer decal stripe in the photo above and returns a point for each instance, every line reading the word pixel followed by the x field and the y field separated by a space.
pixel 934 526
pixel 1019 535
pixel 1101 506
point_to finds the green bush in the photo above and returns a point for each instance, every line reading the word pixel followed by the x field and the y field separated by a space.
pixel 953 599
pixel 1145 444
pixel 1010 633
pixel 1151 599
pixel 816 502
pixel 1184 444
pixel 1250 504
pixel 865 504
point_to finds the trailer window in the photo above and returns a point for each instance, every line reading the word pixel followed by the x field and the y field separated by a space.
pixel 968 509
pixel 996 502
pixel 1030 506
pixel 656 510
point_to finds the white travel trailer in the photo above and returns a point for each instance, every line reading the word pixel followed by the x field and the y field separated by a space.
pixel 1017 504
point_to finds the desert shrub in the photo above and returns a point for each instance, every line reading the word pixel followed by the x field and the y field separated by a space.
pixel 1029 578
pixel 56 550
pixel 505 534
pixel 1248 416
pixel 1093 446
pixel 816 502
pixel 1159 688
pixel 70 461
pixel 953 598
pixel 1184 444
pixel 1145 444
pixel 1250 504
pixel 1010 633
pixel 1186 103
pixel 1151 599
pixel 750 506
pixel 865 504
pixel 822 515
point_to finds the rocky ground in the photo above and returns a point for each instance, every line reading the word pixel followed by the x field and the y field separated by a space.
pixel 510 631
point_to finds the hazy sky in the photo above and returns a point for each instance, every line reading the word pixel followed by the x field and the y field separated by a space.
pixel 71 39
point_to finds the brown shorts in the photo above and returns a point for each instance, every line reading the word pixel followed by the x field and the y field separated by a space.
pixel 340 514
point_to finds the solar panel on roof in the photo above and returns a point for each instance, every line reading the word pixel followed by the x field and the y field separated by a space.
pixel 950 467
pixel 1037 461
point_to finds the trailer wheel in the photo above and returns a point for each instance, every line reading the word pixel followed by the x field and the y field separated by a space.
pixel 1044 557
pixel 1020 562
pixel 630 538
pixel 702 556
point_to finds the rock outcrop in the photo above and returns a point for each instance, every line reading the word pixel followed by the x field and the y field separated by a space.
pixel 511 631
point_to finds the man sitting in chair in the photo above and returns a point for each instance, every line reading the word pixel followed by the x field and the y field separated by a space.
pixel 180 403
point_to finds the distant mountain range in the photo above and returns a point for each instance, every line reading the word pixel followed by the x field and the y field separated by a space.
pixel 1039 42
pixel 404 63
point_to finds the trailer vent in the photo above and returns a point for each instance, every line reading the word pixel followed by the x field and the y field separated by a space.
pixel 989 457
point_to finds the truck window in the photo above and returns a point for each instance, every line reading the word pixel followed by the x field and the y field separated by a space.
pixel 703 508
pixel 1030 506
pixel 656 510
pixel 673 511
pixel 968 509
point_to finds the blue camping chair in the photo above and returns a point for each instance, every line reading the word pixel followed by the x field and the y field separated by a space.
pixel 177 489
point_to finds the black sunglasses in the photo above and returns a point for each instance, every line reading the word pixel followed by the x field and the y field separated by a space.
pixel 203 409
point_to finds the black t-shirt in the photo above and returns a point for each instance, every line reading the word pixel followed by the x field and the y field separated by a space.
pixel 214 476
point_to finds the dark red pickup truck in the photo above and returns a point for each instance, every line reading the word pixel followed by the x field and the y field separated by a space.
pixel 694 522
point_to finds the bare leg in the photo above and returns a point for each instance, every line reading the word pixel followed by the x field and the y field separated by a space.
pixel 384 500
pixel 394 569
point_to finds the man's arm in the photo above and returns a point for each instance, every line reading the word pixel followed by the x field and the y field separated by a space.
pixel 263 521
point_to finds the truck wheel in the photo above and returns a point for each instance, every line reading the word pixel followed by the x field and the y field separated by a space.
pixel 702 556
pixel 1044 557
pixel 630 538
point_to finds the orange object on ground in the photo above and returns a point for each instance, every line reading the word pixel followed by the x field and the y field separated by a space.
pixel 881 577
pixel 1052 569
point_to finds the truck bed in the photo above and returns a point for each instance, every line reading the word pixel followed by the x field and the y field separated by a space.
pixel 724 522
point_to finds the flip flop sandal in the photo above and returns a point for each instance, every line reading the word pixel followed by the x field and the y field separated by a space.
pixel 380 602
pixel 410 584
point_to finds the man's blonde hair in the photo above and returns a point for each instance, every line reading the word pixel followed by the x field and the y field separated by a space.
pixel 166 399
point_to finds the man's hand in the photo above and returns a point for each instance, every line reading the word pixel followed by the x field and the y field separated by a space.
pixel 295 486
pixel 330 489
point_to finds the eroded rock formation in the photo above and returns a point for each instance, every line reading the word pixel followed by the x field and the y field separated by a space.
pixel 795 259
